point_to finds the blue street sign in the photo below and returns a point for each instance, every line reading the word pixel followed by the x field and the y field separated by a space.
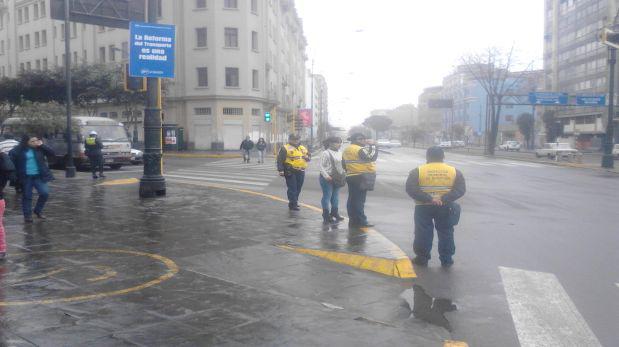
pixel 151 50
pixel 591 100
pixel 544 98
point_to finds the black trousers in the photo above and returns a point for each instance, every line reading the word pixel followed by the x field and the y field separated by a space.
pixel 294 182
pixel 428 217
pixel 96 164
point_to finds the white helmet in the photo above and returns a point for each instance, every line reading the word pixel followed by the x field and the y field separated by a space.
pixel 92 132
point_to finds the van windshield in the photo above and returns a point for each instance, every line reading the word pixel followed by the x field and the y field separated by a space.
pixel 107 132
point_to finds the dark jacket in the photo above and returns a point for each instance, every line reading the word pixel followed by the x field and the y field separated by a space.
pixel 261 146
pixel 247 145
pixel 415 192
pixel 18 156
pixel 93 150
pixel 7 172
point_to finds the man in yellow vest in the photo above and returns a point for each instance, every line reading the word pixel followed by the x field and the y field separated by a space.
pixel 435 187
pixel 291 164
pixel 359 160
pixel 94 152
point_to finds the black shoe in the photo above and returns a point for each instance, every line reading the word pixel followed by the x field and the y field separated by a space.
pixel 326 217
pixel 40 215
pixel 28 220
pixel 420 261
pixel 294 208
pixel 94 177
pixel 336 216
pixel 2 256
pixel 447 265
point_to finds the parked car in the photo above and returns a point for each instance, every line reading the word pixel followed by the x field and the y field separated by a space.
pixel 137 156
pixel 383 143
pixel 445 144
pixel 555 149
pixel 456 144
pixel 395 143
pixel 510 146
pixel 616 151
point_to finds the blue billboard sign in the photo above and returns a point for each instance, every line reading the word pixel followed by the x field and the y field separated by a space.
pixel 151 50
pixel 546 98
pixel 591 100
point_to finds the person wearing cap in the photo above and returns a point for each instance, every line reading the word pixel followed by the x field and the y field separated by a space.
pixel 94 152
pixel 435 187
pixel 292 161
pixel 359 161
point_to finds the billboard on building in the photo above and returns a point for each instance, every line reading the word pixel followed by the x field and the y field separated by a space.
pixel 305 115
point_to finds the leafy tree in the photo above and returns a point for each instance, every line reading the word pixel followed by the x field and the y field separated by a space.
pixel 41 119
pixel 378 123
pixel 359 129
pixel 550 125
pixel 526 123
pixel 458 131
pixel 416 134
pixel 11 91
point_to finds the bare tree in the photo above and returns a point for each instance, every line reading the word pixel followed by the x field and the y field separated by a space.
pixel 491 69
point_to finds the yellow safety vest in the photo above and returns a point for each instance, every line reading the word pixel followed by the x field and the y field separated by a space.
pixel 294 157
pixel 354 165
pixel 436 179
pixel 91 141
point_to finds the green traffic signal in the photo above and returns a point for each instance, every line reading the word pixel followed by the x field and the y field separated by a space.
pixel 267 117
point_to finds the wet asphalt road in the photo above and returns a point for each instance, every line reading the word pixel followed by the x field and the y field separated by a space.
pixel 548 220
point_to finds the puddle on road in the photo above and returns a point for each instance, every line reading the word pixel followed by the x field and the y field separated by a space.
pixel 427 308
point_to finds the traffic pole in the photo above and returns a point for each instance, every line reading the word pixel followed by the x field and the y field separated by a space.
pixel 69 164
pixel 152 183
pixel 608 161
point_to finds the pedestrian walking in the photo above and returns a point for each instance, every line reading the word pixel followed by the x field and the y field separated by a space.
pixel 261 146
pixel 292 161
pixel 94 152
pixel 7 172
pixel 435 187
pixel 332 178
pixel 246 146
pixel 29 158
pixel 359 160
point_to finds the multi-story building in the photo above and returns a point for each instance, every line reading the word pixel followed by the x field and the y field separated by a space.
pixel 319 104
pixel 576 63
pixel 430 119
pixel 235 60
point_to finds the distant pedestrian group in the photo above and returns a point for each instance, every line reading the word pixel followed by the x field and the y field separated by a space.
pixel 247 145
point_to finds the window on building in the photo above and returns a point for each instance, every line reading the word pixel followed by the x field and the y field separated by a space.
pixel 112 52
pixel 28 66
pixel 38 64
pixel 22 67
pixel 27 42
pixel 255 80
pixel 201 37
pixel 254 40
pixel 103 114
pixel 2 47
pixel 232 37
pixel 254 6
pixel 101 28
pixel 62 33
pixel 114 115
pixel 233 111
pixel 26 14
pixel 231 4
pixel 232 77
pixel 73 30
pixel 45 64
pixel 102 54
pixel 200 3
pixel 256 112
pixel 125 50
pixel 202 76
pixel 159 8
pixel 85 56
pixel 44 38
pixel 35 11
pixel 75 57
pixel 37 39
pixel 43 9
pixel 20 19
pixel 202 111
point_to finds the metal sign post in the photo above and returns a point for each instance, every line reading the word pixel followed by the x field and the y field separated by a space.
pixel 69 165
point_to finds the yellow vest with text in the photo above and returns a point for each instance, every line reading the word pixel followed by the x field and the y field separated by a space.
pixel 436 179
pixel 294 157
pixel 354 164
pixel 91 141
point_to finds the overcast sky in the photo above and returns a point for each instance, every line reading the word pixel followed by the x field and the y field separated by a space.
pixel 381 54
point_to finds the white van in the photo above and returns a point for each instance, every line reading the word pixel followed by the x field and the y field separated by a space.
pixel 113 135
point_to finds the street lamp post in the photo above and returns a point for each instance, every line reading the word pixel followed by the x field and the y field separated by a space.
pixel 607 159
pixel 69 165
pixel 152 183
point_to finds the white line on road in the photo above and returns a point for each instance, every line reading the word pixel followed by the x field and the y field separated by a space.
pixel 223 175
pixel 543 313
pixel 218 180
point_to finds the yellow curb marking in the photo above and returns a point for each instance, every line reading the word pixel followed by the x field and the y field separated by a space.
pixel 450 343
pixel 400 267
pixel 120 182
pixel 45 275
pixel 108 273
pixel 170 265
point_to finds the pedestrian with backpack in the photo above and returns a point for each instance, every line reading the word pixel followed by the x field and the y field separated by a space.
pixel 246 146
pixel 332 178
pixel 261 146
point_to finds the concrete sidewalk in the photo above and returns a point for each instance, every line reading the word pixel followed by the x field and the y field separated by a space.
pixel 202 266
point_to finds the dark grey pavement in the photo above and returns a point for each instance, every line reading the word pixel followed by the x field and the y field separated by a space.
pixel 198 267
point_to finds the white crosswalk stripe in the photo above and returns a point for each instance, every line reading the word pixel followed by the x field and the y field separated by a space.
pixel 229 173
pixel 543 313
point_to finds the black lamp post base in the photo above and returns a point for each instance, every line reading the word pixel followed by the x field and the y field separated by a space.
pixel 608 162
pixel 70 171
pixel 152 187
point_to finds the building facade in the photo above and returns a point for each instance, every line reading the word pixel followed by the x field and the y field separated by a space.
pixel 575 62
pixel 317 97
pixel 430 119
pixel 235 60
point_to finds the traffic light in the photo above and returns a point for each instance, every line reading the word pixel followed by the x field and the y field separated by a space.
pixel 136 84
pixel 267 116
pixel 610 38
